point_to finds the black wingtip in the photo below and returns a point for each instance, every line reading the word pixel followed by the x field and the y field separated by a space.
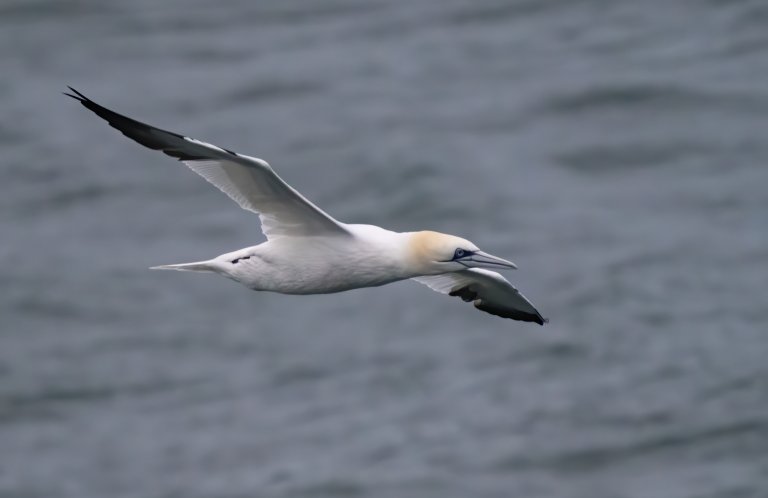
pixel 77 95
pixel 168 142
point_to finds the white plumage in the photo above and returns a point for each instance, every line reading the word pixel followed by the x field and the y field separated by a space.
pixel 309 252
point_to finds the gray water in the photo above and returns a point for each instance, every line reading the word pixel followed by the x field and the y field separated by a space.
pixel 615 150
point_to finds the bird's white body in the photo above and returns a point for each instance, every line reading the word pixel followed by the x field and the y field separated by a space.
pixel 371 257
pixel 309 252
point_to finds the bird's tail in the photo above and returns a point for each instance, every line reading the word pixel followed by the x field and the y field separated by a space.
pixel 201 266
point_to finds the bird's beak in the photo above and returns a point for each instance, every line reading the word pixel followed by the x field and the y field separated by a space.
pixel 480 259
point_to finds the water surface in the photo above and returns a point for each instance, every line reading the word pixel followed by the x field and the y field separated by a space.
pixel 614 150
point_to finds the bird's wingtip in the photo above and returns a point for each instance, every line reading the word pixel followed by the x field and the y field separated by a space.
pixel 77 95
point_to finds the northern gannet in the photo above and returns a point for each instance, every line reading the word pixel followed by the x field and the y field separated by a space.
pixel 309 252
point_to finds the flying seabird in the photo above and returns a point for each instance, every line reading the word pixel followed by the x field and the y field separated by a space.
pixel 309 252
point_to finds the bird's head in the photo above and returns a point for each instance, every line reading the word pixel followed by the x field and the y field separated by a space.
pixel 434 253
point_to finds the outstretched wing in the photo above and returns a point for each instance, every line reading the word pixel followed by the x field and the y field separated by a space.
pixel 249 181
pixel 489 291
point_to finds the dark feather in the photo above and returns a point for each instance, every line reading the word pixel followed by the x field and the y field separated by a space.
pixel 509 313
pixel 170 143
pixel 465 293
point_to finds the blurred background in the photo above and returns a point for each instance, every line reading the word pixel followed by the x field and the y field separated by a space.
pixel 615 150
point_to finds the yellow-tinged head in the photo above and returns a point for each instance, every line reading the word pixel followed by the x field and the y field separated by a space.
pixel 433 253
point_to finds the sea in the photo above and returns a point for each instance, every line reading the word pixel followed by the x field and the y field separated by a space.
pixel 617 151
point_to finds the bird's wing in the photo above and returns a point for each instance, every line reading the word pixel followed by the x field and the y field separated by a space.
pixel 249 181
pixel 489 291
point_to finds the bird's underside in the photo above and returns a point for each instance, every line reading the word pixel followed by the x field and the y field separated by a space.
pixel 288 218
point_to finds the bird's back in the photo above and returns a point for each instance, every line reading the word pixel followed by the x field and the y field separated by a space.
pixel 322 265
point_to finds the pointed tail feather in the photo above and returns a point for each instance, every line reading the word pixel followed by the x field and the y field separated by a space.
pixel 201 266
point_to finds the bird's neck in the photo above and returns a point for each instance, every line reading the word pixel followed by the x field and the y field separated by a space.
pixel 386 251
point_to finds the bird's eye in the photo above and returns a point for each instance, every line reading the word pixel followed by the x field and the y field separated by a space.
pixel 460 253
